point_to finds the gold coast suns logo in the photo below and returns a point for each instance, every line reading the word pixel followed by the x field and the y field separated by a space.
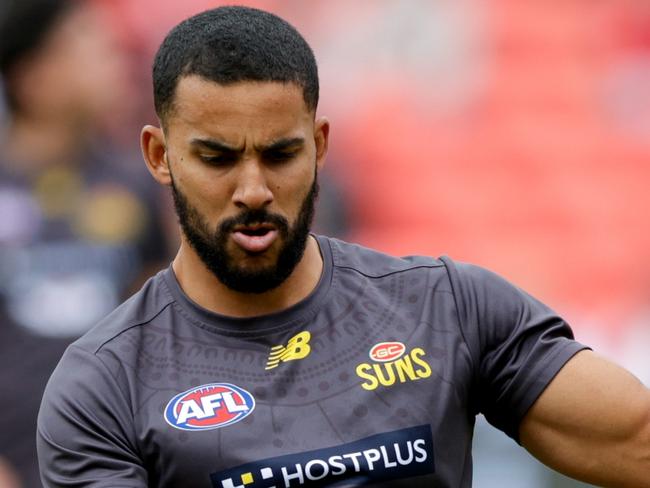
pixel 392 363
pixel 297 348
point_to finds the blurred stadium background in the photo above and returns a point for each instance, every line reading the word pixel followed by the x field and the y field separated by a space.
pixel 514 134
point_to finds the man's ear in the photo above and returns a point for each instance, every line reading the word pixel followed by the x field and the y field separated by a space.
pixel 154 152
pixel 321 138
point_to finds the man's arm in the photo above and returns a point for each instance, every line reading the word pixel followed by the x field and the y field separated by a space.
pixel 85 434
pixel 592 423
pixel 8 478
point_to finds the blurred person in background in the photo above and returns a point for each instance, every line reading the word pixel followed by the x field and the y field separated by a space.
pixel 79 228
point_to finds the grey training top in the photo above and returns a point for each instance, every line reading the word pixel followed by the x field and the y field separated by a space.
pixel 374 379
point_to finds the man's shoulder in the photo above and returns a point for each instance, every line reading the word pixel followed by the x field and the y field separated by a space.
pixel 376 264
pixel 140 309
pixel 372 263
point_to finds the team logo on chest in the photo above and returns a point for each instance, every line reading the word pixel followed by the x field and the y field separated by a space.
pixel 209 407
pixel 297 348
pixel 392 363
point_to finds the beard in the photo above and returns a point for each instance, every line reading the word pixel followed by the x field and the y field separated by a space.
pixel 211 246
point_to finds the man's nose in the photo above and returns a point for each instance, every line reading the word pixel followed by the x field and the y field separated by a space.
pixel 252 189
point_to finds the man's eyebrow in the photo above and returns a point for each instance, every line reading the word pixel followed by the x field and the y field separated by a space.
pixel 282 144
pixel 214 145
pixel 277 145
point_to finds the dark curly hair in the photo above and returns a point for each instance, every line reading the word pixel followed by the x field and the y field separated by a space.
pixel 232 44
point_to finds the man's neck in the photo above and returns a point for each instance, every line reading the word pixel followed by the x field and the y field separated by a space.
pixel 202 287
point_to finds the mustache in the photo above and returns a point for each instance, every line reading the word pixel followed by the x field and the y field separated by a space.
pixel 255 216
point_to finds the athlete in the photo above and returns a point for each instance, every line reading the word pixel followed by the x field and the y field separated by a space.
pixel 80 227
pixel 266 356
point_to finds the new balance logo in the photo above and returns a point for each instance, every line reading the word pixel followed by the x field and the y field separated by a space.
pixel 297 348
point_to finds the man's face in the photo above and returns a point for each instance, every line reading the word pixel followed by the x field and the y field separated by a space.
pixel 243 160
pixel 82 65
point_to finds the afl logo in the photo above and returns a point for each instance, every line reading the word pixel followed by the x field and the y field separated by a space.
pixel 209 407
pixel 387 351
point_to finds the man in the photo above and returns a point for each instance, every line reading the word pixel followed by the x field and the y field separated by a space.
pixel 267 356
pixel 77 230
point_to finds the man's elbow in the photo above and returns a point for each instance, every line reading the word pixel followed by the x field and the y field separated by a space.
pixel 636 446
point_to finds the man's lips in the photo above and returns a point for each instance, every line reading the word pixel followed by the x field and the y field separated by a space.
pixel 254 238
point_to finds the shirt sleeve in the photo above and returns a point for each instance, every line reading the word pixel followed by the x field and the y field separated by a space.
pixel 517 343
pixel 85 429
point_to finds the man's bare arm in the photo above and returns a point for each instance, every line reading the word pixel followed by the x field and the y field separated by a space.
pixel 592 423
pixel 8 478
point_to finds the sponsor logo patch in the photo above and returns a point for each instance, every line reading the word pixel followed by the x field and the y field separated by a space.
pixel 297 348
pixel 379 458
pixel 391 363
pixel 209 407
